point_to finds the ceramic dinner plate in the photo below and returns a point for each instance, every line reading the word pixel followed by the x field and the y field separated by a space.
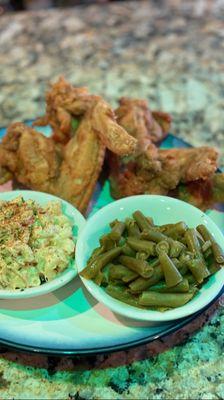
pixel 69 320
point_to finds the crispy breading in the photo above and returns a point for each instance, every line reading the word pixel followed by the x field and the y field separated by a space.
pixel 177 165
pixel 40 164
pixel 65 102
pixel 146 126
pixel 31 157
pixel 112 135
pixel 202 193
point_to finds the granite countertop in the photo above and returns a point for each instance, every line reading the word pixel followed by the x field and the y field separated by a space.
pixel 170 52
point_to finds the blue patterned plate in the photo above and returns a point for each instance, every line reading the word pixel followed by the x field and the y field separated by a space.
pixel 69 321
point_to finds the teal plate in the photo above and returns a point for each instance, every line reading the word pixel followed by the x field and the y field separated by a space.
pixel 69 321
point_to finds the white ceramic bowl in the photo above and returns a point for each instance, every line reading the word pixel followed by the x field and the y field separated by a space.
pixel 163 210
pixel 70 272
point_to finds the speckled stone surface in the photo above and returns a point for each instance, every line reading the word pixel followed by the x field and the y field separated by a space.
pixel 170 52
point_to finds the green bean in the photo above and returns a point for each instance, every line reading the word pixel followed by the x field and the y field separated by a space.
pixel 132 227
pixel 120 272
pixel 106 242
pixel 176 248
pixel 204 232
pixel 95 254
pixel 127 250
pixel 98 279
pixel 118 228
pixel 193 243
pixel 142 221
pixel 190 279
pixel 218 253
pixel 206 246
pixel 139 266
pixel 91 270
pixel 181 287
pixel 176 262
pixel 105 273
pixel 198 269
pixel 200 238
pixel 212 265
pixel 186 257
pixel 142 245
pixel 141 284
pixel 176 230
pixel 153 262
pixel 165 227
pixel 164 299
pixel 153 235
pixel 217 250
pixel 142 256
pixel 215 267
pixel 162 246
pixel 121 294
pixel 171 273
pixel 182 268
pixel 208 253
pixel 122 241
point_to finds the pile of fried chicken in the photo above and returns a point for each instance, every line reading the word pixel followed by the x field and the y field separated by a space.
pixel 68 164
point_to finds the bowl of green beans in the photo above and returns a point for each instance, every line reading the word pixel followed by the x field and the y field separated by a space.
pixel 151 258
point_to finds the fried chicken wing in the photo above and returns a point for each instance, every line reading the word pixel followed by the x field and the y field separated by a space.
pixel 177 165
pixel 71 170
pixel 68 164
pixel 83 157
pixel 39 163
pixel 32 158
pixel 65 102
pixel 146 126
pixel 202 193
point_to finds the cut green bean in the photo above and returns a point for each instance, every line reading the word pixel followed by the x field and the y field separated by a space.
pixel 142 256
pixel 95 254
pixel 172 300
pixel 105 273
pixel 142 221
pixel 218 253
pixel 212 265
pixel 120 272
pixel 162 246
pixel 200 238
pixel 217 250
pixel 204 232
pixel 92 269
pixel 176 248
pixel 198 269
pixel 121 294
pixel 153 235
pixel 208 253
pixel 190 278
pixel 192 242
pixel 142 245
pixel 141 284
pixel 106 242
pixel 171 273
pixel 132 227
pixel 117 230
pixel 128 251
pixel 206 246
pixel 98 279
pixel 176 230
pixel 141 267
pixel 181 287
